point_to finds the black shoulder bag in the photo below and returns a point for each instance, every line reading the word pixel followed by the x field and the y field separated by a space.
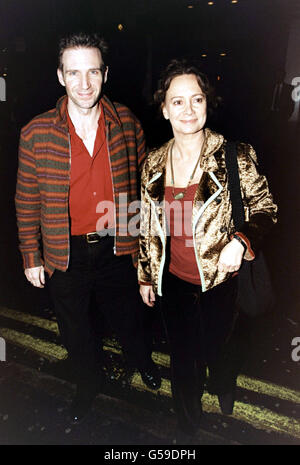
pixel 255 294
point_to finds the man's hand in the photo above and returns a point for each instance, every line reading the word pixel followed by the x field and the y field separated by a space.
pixel 147 294
pixel 231 257
pixel 36 276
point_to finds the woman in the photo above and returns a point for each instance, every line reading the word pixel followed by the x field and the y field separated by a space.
pixel 190 256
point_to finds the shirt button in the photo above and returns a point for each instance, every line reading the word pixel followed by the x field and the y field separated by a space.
pixel 94 193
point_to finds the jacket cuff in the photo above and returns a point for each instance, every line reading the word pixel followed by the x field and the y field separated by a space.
pixel 249 254
pixel 134 257
pixel 32 260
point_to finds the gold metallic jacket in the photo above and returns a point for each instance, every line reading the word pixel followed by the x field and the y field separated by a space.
pixel 212 224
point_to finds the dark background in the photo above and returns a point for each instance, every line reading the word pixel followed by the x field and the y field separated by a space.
pixel 254 35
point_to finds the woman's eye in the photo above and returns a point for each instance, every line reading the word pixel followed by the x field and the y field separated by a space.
pixel 177 102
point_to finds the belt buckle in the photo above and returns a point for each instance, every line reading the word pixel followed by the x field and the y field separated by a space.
pixel 91 241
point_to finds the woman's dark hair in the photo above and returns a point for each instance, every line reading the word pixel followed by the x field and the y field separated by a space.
pixel 178 68
pixel 81 39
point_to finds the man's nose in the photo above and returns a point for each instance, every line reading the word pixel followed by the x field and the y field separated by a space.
pixel 85 81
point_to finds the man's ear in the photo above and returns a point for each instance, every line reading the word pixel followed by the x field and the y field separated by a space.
pixel 105 74
pixel 60 77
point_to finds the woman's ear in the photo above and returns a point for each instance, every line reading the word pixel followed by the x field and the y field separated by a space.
pixel 164 112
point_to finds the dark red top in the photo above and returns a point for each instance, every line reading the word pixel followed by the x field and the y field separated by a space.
pixel 179 218
pixel 90 183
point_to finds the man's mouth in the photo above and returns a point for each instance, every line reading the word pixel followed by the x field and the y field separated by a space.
pixel 85 95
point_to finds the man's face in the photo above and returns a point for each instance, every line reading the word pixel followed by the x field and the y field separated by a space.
pixel 82 76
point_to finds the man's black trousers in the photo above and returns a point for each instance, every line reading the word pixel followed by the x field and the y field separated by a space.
pixel 95 275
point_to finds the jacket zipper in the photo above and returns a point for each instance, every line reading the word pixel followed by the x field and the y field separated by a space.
pixel 114 196
pixel 195 222
pixel 69 230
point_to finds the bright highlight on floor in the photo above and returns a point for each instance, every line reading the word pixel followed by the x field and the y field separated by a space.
pixel 258 417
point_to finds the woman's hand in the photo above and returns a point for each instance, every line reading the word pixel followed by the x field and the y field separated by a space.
pixel 147 294
pixel 231 257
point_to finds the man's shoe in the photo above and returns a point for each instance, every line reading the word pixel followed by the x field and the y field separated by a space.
pixel 81 405
pixel 151 377
pixel 226 402
pixel 183 438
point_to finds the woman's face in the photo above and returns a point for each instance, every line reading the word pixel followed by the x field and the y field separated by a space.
pixel 185 105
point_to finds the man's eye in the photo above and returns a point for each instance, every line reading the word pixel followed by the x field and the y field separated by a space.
pixel 95 72
pixel 72 73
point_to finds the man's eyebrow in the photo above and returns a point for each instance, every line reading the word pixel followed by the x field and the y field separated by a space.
pixel 90 69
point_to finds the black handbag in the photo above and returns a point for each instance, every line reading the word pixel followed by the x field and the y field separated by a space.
pixel 255 294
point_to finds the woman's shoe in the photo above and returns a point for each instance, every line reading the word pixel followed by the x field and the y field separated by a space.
pixel 226 402
pixel 82 402
pixel 151 376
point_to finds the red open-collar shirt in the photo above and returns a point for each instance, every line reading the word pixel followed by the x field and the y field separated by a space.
pixel 90 183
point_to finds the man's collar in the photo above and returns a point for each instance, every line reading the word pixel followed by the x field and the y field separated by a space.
pixel 110 113
pixel 61 112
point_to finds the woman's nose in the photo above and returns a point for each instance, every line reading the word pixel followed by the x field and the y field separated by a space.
pixel 189 108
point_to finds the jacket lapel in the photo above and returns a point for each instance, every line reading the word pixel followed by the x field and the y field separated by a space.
pixel 210 165
pixel 157 174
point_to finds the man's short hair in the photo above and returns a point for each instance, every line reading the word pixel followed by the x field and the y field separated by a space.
pixel 82 40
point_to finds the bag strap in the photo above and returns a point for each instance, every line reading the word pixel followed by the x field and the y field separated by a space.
pixel 238 213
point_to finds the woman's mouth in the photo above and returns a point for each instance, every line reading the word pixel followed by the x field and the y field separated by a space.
pixel 188 121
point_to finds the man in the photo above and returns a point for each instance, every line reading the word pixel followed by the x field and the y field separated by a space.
pixel 73 161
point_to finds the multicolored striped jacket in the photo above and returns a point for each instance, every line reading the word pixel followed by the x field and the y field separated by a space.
pixel 42 193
